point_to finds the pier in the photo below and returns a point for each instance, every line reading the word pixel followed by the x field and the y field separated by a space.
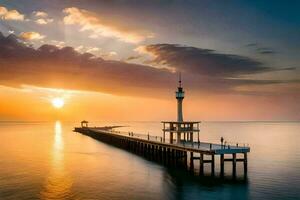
pixel 176 154
pixel 177 146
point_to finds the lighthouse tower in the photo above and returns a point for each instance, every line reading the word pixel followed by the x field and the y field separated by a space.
pixel 180 131
pixel 179 97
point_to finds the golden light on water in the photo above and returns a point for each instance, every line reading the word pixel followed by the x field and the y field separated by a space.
pixel 58 102
pixel 58 182
pixel 58 140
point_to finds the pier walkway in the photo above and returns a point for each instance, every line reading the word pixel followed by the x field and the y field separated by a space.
pixel 178 153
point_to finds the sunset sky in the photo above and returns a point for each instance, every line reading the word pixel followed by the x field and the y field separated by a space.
pixel 112 60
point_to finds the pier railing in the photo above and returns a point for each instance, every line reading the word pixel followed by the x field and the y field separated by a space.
pixel 139 135
pixel 196 145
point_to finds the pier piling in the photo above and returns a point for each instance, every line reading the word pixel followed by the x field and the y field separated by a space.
pixel 222 165
pixel 212 165
pixel 234 165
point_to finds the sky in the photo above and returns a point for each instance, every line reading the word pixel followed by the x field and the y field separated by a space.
pixel 119 60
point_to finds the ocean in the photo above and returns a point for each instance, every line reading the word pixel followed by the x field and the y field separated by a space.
pixel 46 160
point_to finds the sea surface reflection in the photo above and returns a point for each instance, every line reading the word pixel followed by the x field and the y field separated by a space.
pixel 58 182
pixel 49 161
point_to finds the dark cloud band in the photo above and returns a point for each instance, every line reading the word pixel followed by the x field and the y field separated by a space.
pixel 206 62
pixel 50 66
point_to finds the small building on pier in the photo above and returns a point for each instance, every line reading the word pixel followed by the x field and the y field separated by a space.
pixel 84 124
pixel 184 131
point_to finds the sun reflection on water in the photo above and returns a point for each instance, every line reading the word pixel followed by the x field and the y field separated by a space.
pixel 58 140
pixel 58 182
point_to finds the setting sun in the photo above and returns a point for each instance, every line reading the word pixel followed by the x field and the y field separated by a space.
pixel 58 102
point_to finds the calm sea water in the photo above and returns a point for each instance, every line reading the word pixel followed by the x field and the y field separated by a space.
pixel 49 161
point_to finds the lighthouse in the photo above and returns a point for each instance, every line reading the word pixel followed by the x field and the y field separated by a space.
pixel 179 97
pixel 180 131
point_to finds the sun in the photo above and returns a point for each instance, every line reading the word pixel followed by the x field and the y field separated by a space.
pixel 58 102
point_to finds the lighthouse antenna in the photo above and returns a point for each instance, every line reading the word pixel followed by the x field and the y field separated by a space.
pixel 179 79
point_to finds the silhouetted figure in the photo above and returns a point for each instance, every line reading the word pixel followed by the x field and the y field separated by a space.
pixel 222 140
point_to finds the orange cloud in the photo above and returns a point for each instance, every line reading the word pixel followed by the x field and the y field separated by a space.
pixel 100 26
pixel 43 21
pixel 6 14
pixel 3 10
pixel 31 36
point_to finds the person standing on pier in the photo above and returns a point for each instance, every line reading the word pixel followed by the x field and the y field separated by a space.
pixel 222 140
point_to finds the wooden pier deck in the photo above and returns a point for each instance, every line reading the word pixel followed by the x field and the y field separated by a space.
pixel 184 153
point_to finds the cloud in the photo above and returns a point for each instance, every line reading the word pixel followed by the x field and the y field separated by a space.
pixel 50 66
pixel 53 67
pixel 260 49
pixel 101 26
pixel 112 53
pixel 59 44
pixel 41 14
pixel 204 62
pixel 87 49
pixel 6 14
pixel 43 21
pixel 264 50
pixel 3 11
pixel 130 58
pixel 31 36
pixel 96 51
pixel 41 18
pixel 92 49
